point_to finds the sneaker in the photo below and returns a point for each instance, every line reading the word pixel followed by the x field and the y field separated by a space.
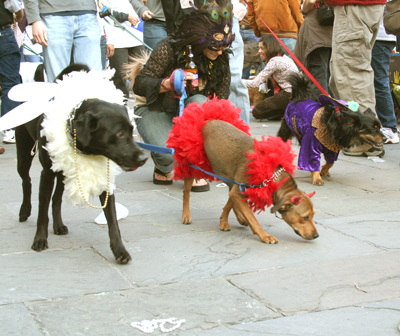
pixel 364 150
pixel 9 137
pixel 390 137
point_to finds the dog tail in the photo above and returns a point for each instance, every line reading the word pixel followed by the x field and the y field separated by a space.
pixel 301 86
pixel 134 66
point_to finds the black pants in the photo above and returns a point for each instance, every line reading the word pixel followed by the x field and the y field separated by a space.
pixel 318 65
pixel 117 61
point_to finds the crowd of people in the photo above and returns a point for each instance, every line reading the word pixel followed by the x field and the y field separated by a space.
pixel 349 58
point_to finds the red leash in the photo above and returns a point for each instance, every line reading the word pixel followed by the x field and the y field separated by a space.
pixel 291 54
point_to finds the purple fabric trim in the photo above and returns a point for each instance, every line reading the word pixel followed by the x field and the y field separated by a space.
pixel 310 148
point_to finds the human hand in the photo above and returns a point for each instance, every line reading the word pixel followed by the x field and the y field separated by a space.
pixel 39 33
pixel 133 19
pixel 147 15
pixel 110 50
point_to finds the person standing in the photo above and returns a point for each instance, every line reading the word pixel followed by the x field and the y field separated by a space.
pixel 381 52
pixel 283 17
pixel 239 94
pixel 355 29
pixel 121 45
pixel 10 58
pixel 68 31
pixel 314 46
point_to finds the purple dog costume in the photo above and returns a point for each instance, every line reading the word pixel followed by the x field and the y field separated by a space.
pixel 304 120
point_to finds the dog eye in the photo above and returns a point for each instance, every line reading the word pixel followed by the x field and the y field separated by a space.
pixel 306 218
pixel 120 134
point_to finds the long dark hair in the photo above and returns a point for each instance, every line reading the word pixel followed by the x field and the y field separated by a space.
pixel 272 46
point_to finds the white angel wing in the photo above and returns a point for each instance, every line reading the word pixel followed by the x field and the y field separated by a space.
pixel 22 114
pixel 32 91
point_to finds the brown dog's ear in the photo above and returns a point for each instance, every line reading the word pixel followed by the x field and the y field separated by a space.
pixel 280 205
pixel 85 125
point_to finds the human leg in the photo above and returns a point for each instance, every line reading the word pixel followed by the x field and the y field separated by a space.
pixel 9 68
pixel 317 64
pixel 57 55
pixel 272 107
pixel 354 33
pixel 117 61
pixel 381 53
pixel 289 42
pixel 154 127
pixel 86 41
pixel 239 95
pixel 153 32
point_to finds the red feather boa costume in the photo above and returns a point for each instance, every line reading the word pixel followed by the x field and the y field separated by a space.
pixel 187 140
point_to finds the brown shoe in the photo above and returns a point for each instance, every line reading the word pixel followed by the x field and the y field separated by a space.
pixel 2 150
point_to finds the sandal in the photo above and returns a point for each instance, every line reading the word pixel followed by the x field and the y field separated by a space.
pixel 160 182
pixel 200 188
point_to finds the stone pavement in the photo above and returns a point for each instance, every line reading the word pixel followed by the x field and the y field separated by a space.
pixel 346 282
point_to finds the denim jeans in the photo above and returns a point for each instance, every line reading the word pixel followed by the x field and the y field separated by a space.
pixel 248 35
pixel 74 38
pixel 381 53
pixel 288 42
pixel 154 127
pixel 9 68
pixel 153 32
pixel 239 94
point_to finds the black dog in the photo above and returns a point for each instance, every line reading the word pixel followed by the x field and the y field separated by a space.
pixel 102 128
pixel 324 128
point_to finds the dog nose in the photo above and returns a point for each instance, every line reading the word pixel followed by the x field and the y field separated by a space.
pixel 315 235
pixel 141 158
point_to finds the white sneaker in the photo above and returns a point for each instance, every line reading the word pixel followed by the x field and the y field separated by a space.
pixel 9 137
pixel 390 136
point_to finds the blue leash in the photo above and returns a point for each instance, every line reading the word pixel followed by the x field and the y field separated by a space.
pixel 242 186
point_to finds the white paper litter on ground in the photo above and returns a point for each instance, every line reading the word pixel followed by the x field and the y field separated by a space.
pixel 375 159
pixel 122 212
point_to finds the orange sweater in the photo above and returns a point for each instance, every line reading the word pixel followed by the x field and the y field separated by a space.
pixel 283 17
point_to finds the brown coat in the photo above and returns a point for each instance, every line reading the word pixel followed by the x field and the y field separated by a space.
pixel 282 16
pixel 312 36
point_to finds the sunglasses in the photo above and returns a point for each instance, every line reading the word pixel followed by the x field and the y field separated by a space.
pixel 217 49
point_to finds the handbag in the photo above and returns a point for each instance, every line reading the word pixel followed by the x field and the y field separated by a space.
pixel 325 15
pixel 391 17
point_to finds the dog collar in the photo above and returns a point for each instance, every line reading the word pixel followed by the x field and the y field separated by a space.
pixel 70 129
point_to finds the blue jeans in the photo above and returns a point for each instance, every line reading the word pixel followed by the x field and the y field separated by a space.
pixel 239 94
pixel 71 39
pixel 9 68
pixel 154 127
pixel 288 42
pixel 381 53
pixel 248 35
pixel 153 32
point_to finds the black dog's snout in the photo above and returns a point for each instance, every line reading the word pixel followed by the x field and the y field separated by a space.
pixel 141 158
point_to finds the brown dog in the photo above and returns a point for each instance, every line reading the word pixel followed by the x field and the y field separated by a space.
pixel 227 148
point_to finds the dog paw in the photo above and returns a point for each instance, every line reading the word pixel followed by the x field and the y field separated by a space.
pixel 318 182
pixel 60 230
pixel 40 245
pixel 124 258
pixel 121 255
pixel 24 215
pixel 186 219
pixel 269 239
pixel 224 226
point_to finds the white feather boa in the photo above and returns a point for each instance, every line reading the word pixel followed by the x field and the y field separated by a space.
pixel 92 170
